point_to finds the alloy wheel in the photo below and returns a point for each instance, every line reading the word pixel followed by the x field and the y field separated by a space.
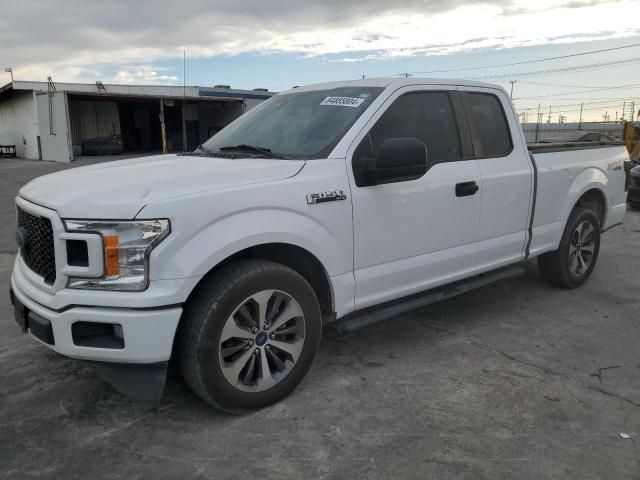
pixel 581 248
pixel 261 340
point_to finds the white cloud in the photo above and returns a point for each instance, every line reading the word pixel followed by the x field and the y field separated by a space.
pixel 81 40
pixel 146 74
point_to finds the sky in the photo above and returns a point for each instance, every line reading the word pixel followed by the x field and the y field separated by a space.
pixel 277 44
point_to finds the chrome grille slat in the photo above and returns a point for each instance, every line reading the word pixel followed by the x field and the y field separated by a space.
pixel 39 255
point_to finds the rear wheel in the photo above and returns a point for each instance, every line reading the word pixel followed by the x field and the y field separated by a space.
pixel 572 263
pixel 249 335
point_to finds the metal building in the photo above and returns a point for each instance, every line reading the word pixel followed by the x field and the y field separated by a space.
pixel 60 121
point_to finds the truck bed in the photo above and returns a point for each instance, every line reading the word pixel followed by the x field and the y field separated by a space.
pixel 562 170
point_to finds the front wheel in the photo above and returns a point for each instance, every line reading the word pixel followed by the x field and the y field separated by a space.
pixel 572 263
pixel 249 335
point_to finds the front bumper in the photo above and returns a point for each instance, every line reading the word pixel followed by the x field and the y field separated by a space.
pixel 148 333
pixel 144 321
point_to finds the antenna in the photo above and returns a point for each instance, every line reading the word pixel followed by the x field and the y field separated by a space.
pixel 184 100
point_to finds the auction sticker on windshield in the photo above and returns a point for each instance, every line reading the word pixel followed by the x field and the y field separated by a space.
pixel 343 101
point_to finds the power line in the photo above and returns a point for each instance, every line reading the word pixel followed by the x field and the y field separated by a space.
pixel 581 100
pixel 603 107
pixel 545 84
pixel 582 91
pixel 581 103
pixel 564 69
pixel 632 45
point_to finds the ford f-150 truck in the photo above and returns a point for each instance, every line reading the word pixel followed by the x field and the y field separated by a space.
pixel 322 203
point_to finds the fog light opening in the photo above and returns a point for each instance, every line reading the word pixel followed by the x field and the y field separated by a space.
pixel 98 335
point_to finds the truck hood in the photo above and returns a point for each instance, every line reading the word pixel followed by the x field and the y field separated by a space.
pixel 120 189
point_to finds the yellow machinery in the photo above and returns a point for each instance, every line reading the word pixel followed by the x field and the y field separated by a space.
pixel 631 138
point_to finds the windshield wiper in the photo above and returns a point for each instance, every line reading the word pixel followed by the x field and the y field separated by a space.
pixel 250 148
pixel 202 149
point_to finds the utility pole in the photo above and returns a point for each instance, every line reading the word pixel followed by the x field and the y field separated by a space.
pixel 184 100
pixel 624 110
pixel 549 119
pixel 512 82
pixel 538 118
pixel 580 122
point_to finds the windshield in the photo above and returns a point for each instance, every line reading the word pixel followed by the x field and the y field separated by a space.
pixel 296 125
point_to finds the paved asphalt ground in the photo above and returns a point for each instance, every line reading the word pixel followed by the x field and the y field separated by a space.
pixel 517 380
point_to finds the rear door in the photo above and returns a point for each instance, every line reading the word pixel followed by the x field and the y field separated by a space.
pixel 507 176
pixel 415 234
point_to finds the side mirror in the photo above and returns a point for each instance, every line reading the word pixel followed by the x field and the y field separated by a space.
pixel 398 160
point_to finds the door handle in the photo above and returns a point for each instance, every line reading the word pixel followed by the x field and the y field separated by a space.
pixel 466 189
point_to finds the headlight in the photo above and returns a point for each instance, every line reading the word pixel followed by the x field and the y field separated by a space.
pixel 126 246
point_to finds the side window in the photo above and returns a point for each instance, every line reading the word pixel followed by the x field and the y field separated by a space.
pixel 488 124
pixel 427 116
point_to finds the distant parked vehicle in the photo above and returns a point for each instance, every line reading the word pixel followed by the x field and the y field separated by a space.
pixel 578 137
pixel 112 145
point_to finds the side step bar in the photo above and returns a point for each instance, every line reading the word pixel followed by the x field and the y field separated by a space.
pixel 373 315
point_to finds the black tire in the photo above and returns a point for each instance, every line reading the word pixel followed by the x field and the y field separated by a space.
pixel 555 266
pixel 634 205
pixel 203 320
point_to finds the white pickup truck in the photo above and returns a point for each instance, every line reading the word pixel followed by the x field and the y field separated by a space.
pixel 322 203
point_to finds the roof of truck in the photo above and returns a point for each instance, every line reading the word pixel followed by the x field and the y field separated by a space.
pixel 392 82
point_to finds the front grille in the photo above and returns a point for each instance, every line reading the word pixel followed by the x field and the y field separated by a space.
pixel 38 252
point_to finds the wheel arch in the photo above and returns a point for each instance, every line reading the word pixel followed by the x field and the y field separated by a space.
pixel 588 190
pixel 595 200
pixel 293 256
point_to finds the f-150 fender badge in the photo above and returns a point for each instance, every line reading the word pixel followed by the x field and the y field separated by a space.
pixel 323 197
pixel 617 165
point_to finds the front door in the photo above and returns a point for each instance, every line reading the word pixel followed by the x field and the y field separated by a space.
pixel 416 234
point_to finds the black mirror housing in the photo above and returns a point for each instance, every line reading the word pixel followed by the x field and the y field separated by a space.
pixel 398 160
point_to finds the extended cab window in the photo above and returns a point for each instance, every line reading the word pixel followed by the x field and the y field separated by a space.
pixel 488 123
pixel 427 116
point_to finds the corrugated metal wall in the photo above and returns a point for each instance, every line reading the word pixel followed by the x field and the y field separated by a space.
pixel 90 119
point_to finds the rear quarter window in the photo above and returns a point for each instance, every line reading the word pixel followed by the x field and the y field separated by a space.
pixel 488 123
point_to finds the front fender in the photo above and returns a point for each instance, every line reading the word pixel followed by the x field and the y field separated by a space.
pixel 196 254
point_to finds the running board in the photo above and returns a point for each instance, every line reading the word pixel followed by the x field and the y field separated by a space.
pixel 373 315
